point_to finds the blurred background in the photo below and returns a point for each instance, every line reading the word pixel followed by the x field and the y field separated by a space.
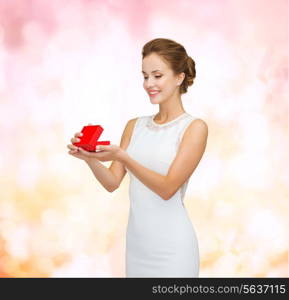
pixel 67 63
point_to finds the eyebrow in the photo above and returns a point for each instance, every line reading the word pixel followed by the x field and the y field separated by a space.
pixel 152 71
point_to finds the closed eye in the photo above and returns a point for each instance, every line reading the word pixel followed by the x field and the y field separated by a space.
pixel 159 76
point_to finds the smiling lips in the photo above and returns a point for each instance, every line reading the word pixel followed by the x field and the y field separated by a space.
pixel 153 92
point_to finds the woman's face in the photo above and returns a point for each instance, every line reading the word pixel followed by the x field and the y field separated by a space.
pixel 158 77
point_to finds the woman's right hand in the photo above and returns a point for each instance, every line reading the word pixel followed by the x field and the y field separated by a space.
pixel 74 149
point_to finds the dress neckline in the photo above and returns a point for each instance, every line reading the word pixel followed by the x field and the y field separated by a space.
pixel 167 123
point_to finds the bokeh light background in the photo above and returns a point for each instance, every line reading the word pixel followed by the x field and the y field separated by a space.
pixel 67 63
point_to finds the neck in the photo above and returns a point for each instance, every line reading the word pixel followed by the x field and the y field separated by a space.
pixel 170 109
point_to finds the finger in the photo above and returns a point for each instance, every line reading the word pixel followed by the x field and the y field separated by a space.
pixel 75 140
pixel 72 147
pixel 78 134
pixel 103 147
pixel 87 153
pixel 72 152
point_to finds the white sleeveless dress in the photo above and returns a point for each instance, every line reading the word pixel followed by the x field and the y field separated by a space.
pixel 160 238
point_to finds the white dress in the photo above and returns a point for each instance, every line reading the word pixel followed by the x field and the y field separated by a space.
pixel 160 238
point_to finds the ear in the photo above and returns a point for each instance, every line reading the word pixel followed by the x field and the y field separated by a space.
pixel 181 77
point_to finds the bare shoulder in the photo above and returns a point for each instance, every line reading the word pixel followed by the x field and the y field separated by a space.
pixel 197 131
pixel 200 123
pixel 131 122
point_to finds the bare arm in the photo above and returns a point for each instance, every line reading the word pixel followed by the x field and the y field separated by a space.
pixel 117 167
pixel 190 152
pixel 111 177
pixel 102 174
pixel 153 180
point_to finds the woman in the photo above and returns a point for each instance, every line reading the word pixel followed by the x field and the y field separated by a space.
pixel 160 153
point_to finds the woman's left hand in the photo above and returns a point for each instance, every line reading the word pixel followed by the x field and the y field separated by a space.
pixel 107 153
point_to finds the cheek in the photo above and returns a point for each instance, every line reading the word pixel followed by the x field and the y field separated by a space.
pixel 162 84
pixel 166 85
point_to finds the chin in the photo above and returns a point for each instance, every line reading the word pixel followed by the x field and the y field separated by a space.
pixel 156 101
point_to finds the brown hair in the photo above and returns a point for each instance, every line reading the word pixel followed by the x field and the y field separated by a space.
pixel 176 56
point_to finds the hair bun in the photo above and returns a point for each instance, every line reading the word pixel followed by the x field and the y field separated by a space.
pixel 191 71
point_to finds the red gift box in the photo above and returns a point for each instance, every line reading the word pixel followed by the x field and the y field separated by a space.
pixel 89 139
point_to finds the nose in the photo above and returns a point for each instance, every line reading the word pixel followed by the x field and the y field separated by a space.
pixel 149 83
